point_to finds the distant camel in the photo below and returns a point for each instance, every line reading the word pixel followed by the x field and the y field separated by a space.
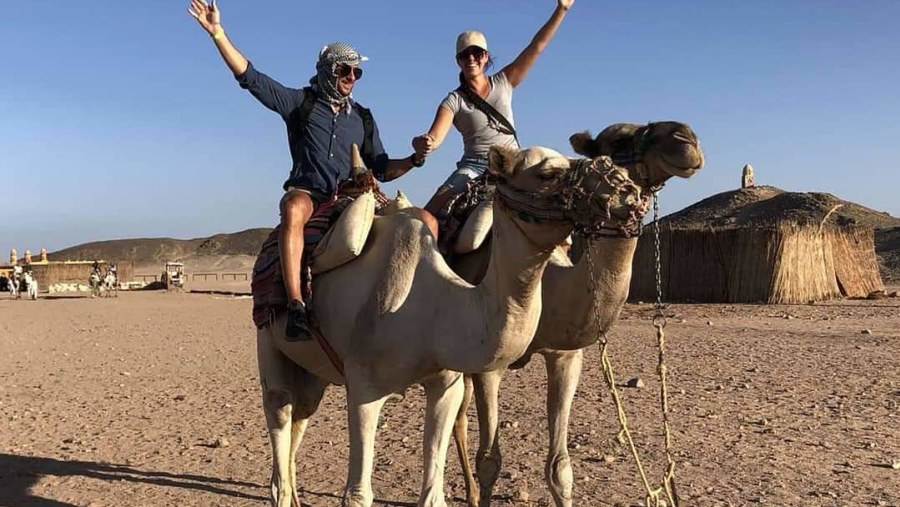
pixel 95 283
pixel 13 286
pixel 111 284
pixel 31 285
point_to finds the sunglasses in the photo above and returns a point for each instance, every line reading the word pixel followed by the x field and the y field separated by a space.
pixel 344 70
pixel 473 51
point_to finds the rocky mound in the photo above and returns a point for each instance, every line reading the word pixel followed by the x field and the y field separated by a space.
pixel 765 205
pixel 234 251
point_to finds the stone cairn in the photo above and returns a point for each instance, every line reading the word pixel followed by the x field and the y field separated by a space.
pixel 747 180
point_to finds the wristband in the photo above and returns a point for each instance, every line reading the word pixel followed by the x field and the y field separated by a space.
pixel 220 34
pixel 416 163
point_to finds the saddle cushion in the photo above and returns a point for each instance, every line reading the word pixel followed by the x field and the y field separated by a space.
pixel 476 229
pixel 346 239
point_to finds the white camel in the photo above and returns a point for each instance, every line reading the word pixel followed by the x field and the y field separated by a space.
pixel 652 154
pixel 31 286
pixel 95 282
pixel 13 286
pixel 398 315
pixel 110 284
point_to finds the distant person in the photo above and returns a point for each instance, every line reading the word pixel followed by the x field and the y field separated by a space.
pixel 323 122
pixel 481 107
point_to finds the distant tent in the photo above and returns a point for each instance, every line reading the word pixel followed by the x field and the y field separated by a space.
pixel 760 245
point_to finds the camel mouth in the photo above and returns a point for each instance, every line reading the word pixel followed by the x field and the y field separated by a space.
pixel 687 162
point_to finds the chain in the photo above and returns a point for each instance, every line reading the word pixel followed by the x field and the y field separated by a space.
pixel 659 322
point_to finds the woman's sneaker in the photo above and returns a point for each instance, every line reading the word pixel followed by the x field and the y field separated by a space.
pixel 297 329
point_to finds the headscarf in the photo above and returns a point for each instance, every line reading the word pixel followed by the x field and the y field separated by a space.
pixel 325 81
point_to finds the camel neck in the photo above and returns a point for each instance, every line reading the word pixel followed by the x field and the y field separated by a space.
pixel 606 261
pixel 508 297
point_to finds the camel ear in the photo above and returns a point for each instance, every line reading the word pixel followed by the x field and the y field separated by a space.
pixel 501 161
pixel 583 144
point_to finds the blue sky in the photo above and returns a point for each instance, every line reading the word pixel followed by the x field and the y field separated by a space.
pixel 119 120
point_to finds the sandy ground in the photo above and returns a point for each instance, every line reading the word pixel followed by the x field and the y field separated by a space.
pixel 152 399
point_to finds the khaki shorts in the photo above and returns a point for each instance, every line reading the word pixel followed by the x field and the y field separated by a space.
pixel 317 197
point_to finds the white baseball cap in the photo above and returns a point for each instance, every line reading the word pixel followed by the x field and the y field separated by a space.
pixel 469 39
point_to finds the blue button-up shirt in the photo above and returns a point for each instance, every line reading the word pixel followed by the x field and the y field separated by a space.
pixel 321 152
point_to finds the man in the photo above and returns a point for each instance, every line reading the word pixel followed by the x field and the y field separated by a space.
pixel 320 135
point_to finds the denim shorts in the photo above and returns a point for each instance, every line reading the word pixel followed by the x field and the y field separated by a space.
pixel 467 169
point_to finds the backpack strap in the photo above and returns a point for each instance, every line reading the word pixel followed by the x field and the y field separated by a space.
pixel 306 107
pixel 368 147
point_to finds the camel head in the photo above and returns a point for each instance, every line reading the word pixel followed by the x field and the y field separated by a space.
pixel 545 185
pixel 651 153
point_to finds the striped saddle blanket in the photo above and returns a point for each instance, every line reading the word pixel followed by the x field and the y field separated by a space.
pixel 267 285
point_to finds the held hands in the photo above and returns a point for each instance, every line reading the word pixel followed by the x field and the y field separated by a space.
pixel 565 4
pixel 207 15
pixel 424 145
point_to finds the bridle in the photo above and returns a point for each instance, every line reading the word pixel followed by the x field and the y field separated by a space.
pixel 576 199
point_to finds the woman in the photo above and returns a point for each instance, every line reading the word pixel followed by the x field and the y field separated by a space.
pixel 481 125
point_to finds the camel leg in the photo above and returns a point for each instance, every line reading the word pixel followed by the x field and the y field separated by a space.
pixel 364 405
pixel 276 373
pixel 488 459
pixel 308 392
pixel 444 394
pixel 461 438
pixel 563 373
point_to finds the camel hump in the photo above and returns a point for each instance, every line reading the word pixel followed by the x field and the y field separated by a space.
pixel 476 228
pixel 345 240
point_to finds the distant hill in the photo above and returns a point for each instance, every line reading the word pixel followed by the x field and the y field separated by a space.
pixel 766 205
pixel 234 251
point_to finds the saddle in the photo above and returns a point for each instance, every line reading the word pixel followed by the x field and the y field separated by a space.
pixel 465 221
pixel 335 234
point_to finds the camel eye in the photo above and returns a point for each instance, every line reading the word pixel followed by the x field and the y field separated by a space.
pixel 547 176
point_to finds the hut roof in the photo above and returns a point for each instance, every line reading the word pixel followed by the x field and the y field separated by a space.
pixel 765 205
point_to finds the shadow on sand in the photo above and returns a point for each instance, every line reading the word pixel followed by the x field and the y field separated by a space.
pixel 18 474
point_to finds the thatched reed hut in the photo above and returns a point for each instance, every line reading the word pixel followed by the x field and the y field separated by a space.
pixel 761 244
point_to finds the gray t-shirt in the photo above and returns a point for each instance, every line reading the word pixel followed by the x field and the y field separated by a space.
pixel 479 131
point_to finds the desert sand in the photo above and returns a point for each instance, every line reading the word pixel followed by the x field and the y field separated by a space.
pixel 152 399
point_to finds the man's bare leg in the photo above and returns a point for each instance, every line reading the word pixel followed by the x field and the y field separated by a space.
pixel 296 209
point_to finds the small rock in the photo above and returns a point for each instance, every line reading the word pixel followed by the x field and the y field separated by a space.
pixel 404 440
pixel 636 382
pixel 896 464
pixel 608 458
pixel 221 442
pixel 179 397
pixel 866 331
pixel 708 322
pixel 522 495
